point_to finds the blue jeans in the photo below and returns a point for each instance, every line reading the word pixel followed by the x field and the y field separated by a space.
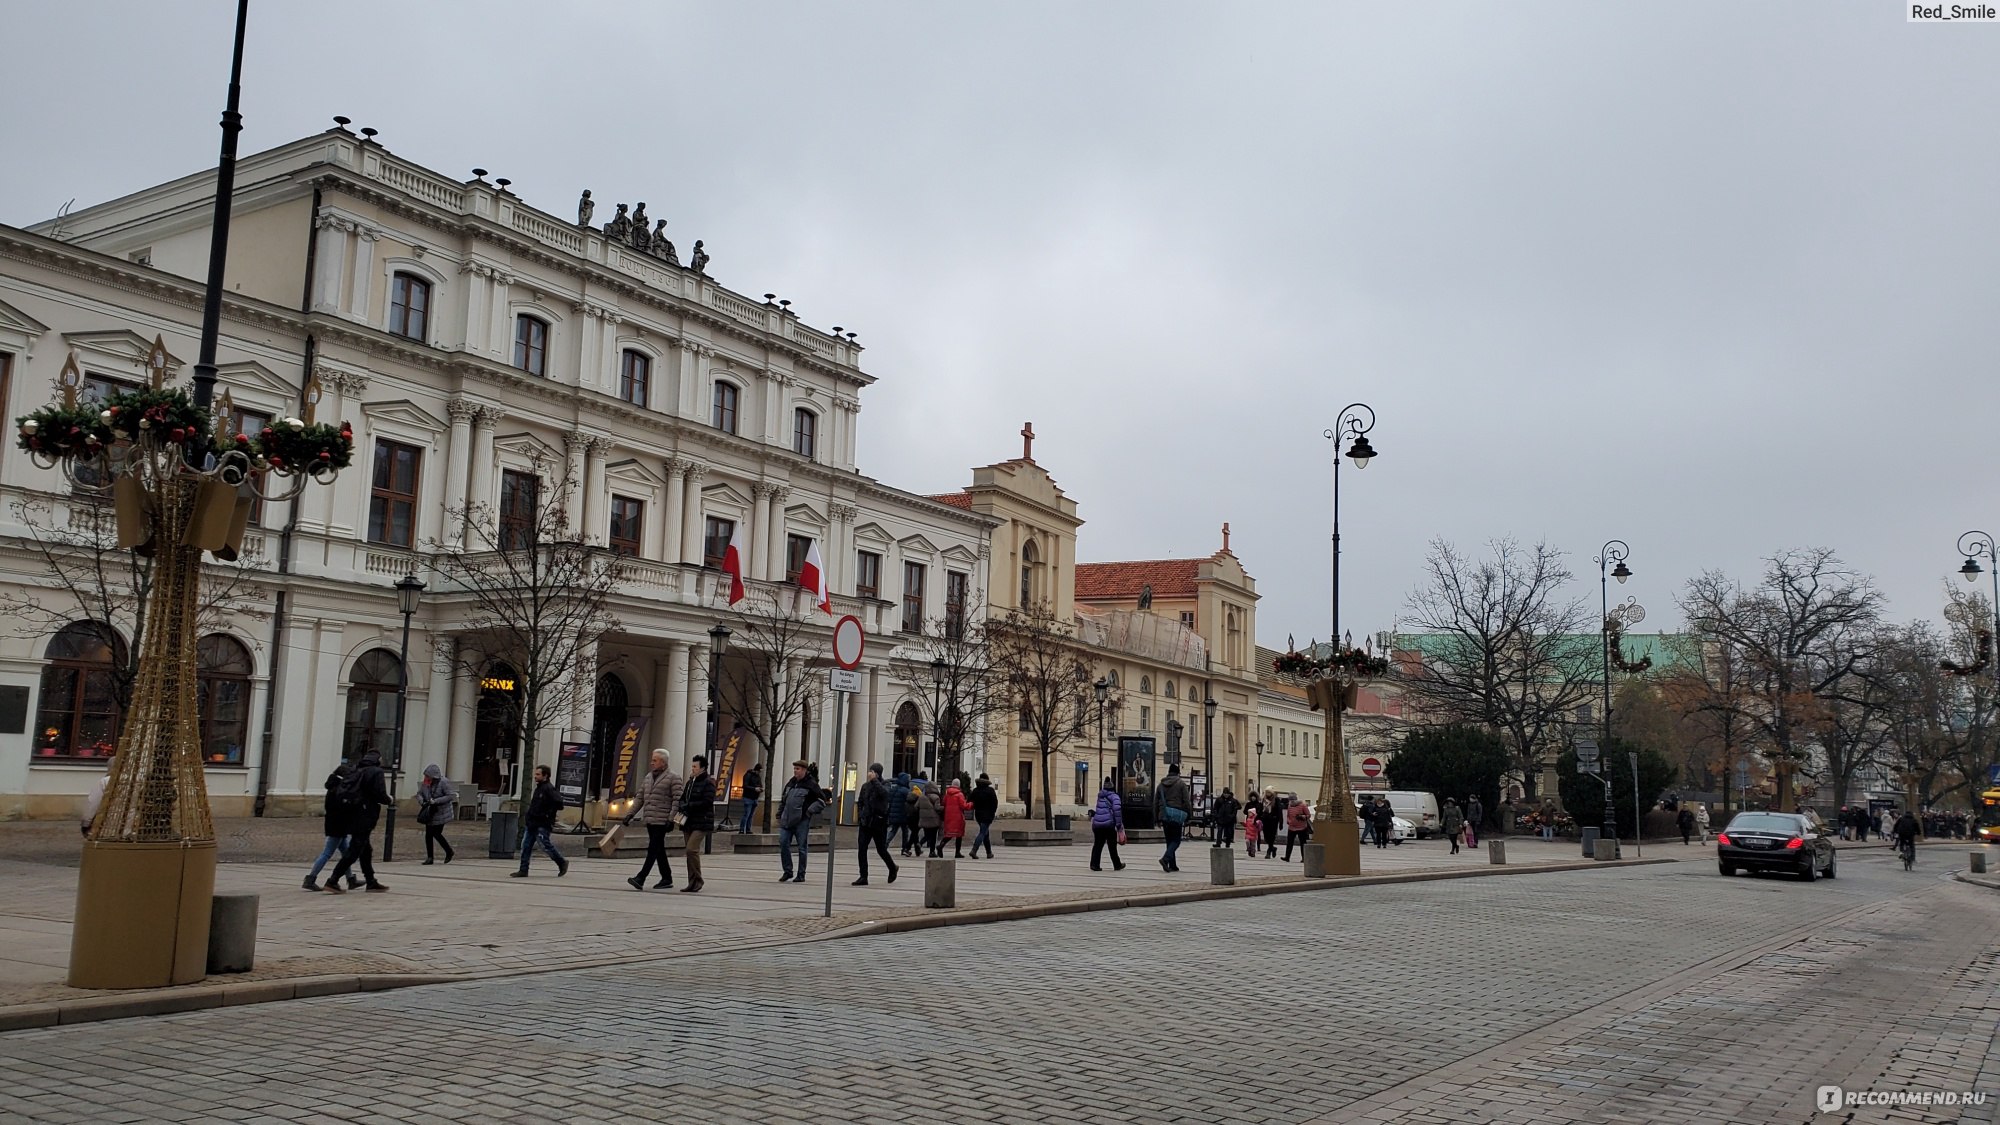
pixel 749 806
pixel 984 839
pixel 798 834
pixel 333 844
pixel 1173 840
pixel 530 836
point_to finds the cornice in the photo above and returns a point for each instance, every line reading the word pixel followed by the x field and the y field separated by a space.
pixel 89 265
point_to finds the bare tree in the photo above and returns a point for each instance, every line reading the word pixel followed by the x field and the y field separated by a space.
pixel 1504 650
pixel 1945 735
pixel 948 670
pixel 1802 633
pixel 529 593
pixel 1710 695
pixel 87 575
pixel 766 682
pixel 1044 678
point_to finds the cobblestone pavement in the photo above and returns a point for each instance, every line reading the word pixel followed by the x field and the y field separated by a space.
pixel 1663 993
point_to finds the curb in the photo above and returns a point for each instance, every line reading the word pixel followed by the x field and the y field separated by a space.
pixel 196 998
pixel 1987 881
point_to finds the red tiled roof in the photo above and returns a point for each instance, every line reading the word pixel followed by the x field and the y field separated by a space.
pixel 1169 578
pixel 961 500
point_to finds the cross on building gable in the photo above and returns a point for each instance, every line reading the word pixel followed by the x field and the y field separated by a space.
pixel 1027 441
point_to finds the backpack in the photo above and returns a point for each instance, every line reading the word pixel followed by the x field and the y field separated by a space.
pixel 346 797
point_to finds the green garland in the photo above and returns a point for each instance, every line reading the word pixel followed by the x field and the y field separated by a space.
pixel 1351 661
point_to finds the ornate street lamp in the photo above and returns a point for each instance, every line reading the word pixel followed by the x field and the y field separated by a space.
pixel 1356 419
pixel 409 595
pixel 1208 745
pixel 1973 545
pixel 1613 552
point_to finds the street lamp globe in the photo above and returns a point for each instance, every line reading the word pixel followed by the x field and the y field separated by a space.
pixel 937 672
pixel 718 641
pixel 1102 688
pixel 1621 572
pixel 1208 706
pixel 1971 570
pixel 1360 452
pixel 409 594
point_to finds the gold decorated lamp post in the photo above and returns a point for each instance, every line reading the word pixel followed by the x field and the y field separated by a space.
pixel 179 486
pixel 1332 678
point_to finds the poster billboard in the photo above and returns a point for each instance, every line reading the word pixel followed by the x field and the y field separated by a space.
pixel 1137 763
pixel 572 772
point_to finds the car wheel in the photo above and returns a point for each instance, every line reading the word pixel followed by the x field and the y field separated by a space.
pixel 1724 868
pixel 1398 841
pixel 1811 871
pixel 1832 862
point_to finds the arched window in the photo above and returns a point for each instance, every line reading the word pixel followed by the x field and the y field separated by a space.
pixel 371 705
pixel 1111 677
pixel 635 377
pixel 222 694
pixel 909 726
pixel 614 709
pixel 722 414
pixel 79 712
pixel 1169 692
pixel 1145 685
pixel 805 433
pixel 531 344
pixel 409 306
pixel 1030 561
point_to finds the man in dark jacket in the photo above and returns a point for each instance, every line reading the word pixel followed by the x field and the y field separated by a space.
pixel 797 805
pixel 1222 813
pixel 1384 818
pixel 336 828
pixel 985 806
pixel 902 817
pixel 697 818
pixel 753 788
pixel 1173 804
pixel 361 798
pixel 871 807
pixel 540 820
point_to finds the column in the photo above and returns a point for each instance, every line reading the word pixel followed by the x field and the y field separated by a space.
pixel 582 693
pixel 774 559
pixel 691 514
pixel 576 442
pixel 458 460
pixel 479 503
pixel 760 522
pixel 596 521
pixel 840 552
pixel 696 718
pixel 672 714
pixel 464 721
pixel 498 328
pixel 364 272
pixel 670 521
pixel 329 257
pixel 871 735
pixel 435 744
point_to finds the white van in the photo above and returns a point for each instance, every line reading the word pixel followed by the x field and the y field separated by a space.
pixel 1420 809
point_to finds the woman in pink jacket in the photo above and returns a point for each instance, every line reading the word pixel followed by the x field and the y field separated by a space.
pixel 956 805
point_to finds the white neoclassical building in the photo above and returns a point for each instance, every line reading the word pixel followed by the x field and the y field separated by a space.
pixel 471 339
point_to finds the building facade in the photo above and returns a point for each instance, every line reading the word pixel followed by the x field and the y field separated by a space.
pixel 1291 736
pixel 484 351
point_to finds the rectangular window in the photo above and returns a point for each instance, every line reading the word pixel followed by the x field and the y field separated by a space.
pixel 956 584
pixel 1187 618
pixel 913 597
pixel 520 495
pixel 723 414
pixel 627 519
pixel 252 423
pixel 796 547
pixel 867 574
pixel 409 306
pixel 1145 718
pixel 392 503
pixel 531 345
pixel 635 378
pixel 715 541
pixel 805 431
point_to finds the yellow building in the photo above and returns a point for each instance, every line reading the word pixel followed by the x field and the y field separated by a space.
pixel 1166 634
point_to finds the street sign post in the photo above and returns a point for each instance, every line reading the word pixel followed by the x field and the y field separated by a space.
pixel 849 640
pixel 1371 767
pixel 1586 756
pixel 1638 814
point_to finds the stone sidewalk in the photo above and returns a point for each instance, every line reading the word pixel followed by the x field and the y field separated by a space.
pixel 468 919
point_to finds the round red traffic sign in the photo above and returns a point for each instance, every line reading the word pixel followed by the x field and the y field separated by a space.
pixel 847 637
pixel 1371 766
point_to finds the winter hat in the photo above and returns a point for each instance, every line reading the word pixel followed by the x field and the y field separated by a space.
pixel 875 768
pixel 433 772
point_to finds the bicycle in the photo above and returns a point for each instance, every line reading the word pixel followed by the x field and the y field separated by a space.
pixel 1908 850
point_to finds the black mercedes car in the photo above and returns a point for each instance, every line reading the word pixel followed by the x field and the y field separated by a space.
pixel 1776 841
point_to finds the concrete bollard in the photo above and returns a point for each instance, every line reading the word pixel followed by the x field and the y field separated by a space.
pixel 1606 849
pixel 232 933
pixel 1497 849
pixel 1222 867
pixel 1978 862
pixel 940 884
pixel 1315 861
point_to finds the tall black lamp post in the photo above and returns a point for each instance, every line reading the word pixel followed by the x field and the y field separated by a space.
pixel 1102 690
pixel 937 716
pixel 409 595
pixel 1208 744
pixel 1614 552
pixel 718 647
pixel 1257 781
pixel 1356 419
pixel 1972 545
pixel 218 237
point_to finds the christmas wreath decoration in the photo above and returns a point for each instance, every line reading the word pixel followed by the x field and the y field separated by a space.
pixel 59 432
pixel 295 445
pixel 1614 633
pixel 1343 660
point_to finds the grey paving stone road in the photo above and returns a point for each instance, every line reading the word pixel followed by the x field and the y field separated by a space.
pixel 1644 994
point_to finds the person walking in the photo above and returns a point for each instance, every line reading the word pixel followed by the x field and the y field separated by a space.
pixel 753 788
pixel 1173 804
pixel 1452 820
pixel 697 818
pixel 1107 823
pixel 902 815
pixel 437 806
pixel 543 808
pixel 930 816
pixel 361 796
pixel 1223 815
pixel 337 827
pixel 871 808
pixel 1385 822
pixel 801 800
pixel 655 800
pixel 1475 817
pixel 1252 825
pixel 1685 822
pixel 1298 828
pixel 1268 817
pixel 985 806
pixel 955 807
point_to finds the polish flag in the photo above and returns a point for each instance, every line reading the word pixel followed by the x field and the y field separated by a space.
pixel 732 563
pixel 812 575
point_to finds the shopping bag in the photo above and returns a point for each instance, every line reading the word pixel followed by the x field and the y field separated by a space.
pixel 607 844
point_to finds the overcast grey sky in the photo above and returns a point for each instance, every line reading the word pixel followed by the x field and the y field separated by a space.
pixel 1714 278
